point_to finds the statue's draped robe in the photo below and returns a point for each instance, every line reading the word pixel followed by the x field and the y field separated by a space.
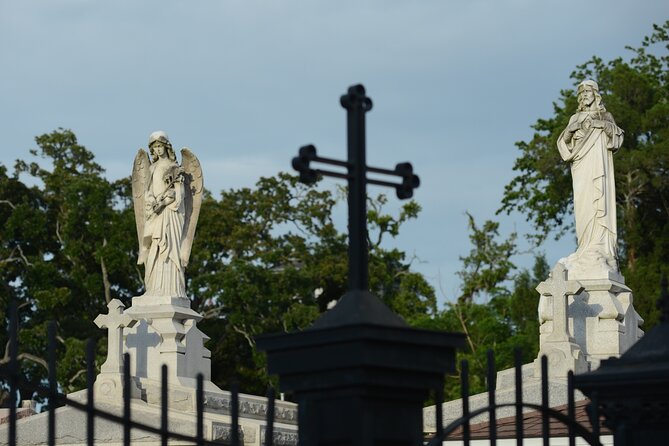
pixel 590 152
pixel 161 242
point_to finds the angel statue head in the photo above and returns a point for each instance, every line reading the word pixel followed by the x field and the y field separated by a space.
pixel 160 137
pixel 589 97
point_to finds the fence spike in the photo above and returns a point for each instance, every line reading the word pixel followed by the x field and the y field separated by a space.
pixel 544 400
pixel 464 389
pixel 13 370
pixel 492 413
pixel 571 408
pixel 199 401
pixel 163 405
pixel 439 414
pixel 51 356
pixel 518 363
pixel 234 415
pixel 269 422
pixel 126 399
pixel 90 385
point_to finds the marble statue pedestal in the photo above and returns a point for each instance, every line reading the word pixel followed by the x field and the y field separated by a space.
pixel 585 318
pixel 159 330
pixel 166 333
pixel 602 318
pixel 612 325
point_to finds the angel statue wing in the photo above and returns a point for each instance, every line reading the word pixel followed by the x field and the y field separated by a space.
pixel 193 187
pixel 140 180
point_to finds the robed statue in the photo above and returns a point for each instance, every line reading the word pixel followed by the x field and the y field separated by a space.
pixel 588 144
pixel 167 198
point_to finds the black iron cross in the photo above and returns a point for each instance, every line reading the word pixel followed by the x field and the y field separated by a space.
pixel 356 104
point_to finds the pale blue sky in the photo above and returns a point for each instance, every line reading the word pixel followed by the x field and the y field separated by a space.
pixel 245 83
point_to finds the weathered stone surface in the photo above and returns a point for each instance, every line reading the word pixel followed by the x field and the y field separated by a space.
pixel 602 320
pixel 71 423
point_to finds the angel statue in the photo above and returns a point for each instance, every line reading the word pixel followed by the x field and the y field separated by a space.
pixel 167 200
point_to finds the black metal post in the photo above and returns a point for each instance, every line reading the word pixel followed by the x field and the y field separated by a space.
pixel 269 426
pixel 126 399
pixel 90 396
pixel 360 374
pixel 492 413
pixel 571 407
pixel 464 389
pixel 163 405
pixel 51 337
pixel 545 427
pixel 356 105
pixel 199 395
pixel 439 415
pixel 13 370
pixel 234 414
pixel 518 364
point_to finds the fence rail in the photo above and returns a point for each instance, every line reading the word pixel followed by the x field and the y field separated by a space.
pixel 575 429
pixel 13 377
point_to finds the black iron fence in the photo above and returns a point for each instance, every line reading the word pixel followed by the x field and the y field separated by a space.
pixel 589 433
pixel 12 376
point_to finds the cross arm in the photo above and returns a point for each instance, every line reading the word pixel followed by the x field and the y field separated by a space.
pixel 308 175
pixel 116 318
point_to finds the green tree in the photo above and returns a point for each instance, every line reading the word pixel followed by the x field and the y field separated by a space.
pixel 496 308
pixel 488 264
pixel 62 249
pixel 270 259
pixel 636 92
pixel 265 259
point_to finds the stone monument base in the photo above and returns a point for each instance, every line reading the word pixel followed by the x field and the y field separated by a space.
pixel 71 423
pixel 166 332
pixel 602 319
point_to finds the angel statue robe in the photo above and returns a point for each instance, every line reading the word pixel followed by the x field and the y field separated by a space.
pixel 590 152
pixel 163 231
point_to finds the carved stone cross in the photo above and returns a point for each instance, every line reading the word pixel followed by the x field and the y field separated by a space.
pixel 559 288
pixel 114 322
pixel 356 104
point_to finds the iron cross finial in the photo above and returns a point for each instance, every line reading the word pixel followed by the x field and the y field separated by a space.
pixel 356 104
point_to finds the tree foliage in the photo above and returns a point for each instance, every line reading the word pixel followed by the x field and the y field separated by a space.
pixel 265 259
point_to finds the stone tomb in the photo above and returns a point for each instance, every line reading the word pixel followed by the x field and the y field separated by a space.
pixel 582 322
pixel 156 331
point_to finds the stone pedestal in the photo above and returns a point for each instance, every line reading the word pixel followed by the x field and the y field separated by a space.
pixel 612 325
pixel 602 320
pixel 155 330
pixel 167 333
